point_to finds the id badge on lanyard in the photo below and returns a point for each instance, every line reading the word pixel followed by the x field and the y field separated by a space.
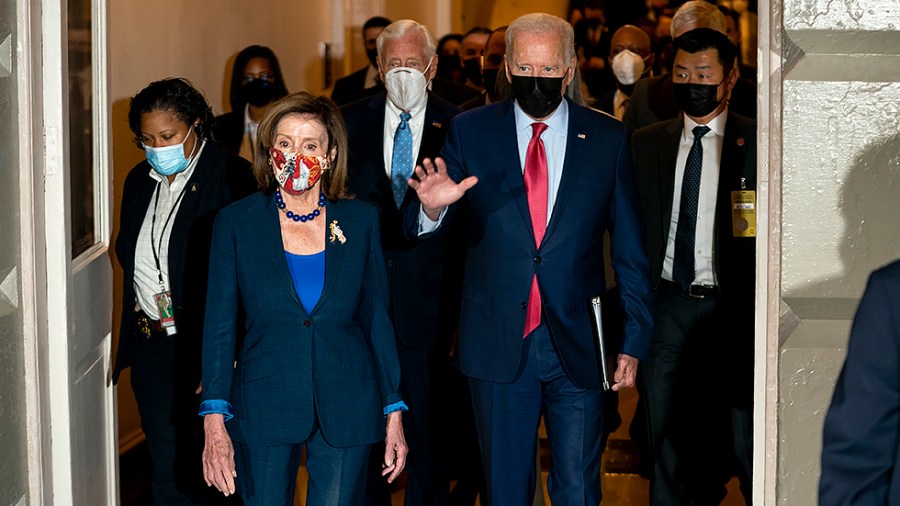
pixel 163 298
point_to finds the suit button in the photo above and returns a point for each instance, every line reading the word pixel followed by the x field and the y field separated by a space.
pixel 524 305
pixel 538 259
pixel 307 323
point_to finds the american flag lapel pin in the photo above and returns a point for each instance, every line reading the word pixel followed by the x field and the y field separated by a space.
pixel 436 124
pixel 195 187
pixel 581 136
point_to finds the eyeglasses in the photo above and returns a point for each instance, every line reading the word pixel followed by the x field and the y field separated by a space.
pixel 269 78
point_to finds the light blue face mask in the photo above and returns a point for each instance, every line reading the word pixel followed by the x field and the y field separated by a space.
pixel 169 160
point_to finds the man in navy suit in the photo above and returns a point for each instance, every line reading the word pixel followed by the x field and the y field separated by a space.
pixel 424 288
pixel 538 179
pixel 860 456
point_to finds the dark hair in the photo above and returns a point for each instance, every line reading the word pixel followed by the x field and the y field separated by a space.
pixel 447 38
pixel 237 75
pixel 478 29
pixel 178 96
pixel 326 112
pixel 376 22
pixel 701 39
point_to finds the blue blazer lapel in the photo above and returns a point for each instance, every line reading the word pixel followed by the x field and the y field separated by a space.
pixel 507 139
pixel 573 165
pixel 268 230
pixel 334 251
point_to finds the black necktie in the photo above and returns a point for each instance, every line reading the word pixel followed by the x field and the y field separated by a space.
pixel 683 268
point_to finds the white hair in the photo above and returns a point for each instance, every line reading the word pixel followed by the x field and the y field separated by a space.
pixel 697 14
pixel 540 22
pixel 402 27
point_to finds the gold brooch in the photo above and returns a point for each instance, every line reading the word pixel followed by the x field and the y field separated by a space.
pixel 336 232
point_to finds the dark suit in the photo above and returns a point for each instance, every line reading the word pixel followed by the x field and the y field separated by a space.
pixel 453 92
pixel 653 100
pixel 704 341
pixel 861 442
pixel 351 88
pixel 424 289
pixel 166 369
pixel 230 131
pixel 596 192
pixel 298 374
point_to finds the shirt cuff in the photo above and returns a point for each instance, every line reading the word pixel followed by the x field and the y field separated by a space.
pixel 426 224
pixel 397 406
pixel 217 407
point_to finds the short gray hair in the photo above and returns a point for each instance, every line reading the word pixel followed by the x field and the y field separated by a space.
pixel 540 22
pixel 402 27
pixel 697 14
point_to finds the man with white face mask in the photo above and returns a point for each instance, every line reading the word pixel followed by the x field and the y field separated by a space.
pixel 630 59
pixel 388 135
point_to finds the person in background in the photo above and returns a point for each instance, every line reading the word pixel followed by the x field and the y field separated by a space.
pixel 449 60
pixel 473 45
pixel 733 31
pixel 496 87
pixel 317 364
pixel 860 458
pixel 256 82
pixel 630 59
pixel 364 82
pixel 389 133
pixel 534 181
pixel 695 174
pixel 169 201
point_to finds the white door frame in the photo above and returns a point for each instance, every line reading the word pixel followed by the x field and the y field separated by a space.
pixel 53 312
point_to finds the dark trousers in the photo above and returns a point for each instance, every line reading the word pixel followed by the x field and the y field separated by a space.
pixel 168 408
pixel 267 475
pixel 697 438
pixel 423 384
pixel 508 415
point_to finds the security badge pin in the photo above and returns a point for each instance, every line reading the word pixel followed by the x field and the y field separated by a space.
pixel 740 141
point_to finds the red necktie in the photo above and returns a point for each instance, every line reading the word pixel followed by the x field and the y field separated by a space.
pixel 536 190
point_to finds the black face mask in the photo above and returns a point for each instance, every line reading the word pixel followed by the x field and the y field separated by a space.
pixel 490 82
pixel 257 92
pixel 537 96
pixel 372 55
pixel 697 100
pixel 449 67
pixel 472 70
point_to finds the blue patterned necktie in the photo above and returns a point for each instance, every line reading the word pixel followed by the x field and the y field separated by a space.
pixel 683 266
pixel 401 158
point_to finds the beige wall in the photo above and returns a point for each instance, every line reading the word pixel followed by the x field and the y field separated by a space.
pixel 840 164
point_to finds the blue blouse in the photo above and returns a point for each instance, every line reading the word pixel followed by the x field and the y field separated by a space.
pixel 308 273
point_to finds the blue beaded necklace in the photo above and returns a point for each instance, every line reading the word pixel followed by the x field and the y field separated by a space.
pixel 302 218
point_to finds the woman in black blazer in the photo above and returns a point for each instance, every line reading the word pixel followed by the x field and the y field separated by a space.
pixel 168 205
pixel 256 83
pixel 317 365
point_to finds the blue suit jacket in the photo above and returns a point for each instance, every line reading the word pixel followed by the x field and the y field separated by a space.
pixel 597 191
pixel 861 447
pixel 336 364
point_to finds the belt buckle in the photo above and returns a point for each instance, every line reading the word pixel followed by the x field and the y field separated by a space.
pixel 691 293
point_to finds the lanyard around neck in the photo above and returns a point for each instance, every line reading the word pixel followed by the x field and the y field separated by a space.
pixel 162 233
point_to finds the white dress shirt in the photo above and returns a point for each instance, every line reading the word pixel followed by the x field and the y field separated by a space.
pixel 620 103
pixel 392 121
pixel 554 138
pixel 704 268
pixel 248 140
pixel 146 277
